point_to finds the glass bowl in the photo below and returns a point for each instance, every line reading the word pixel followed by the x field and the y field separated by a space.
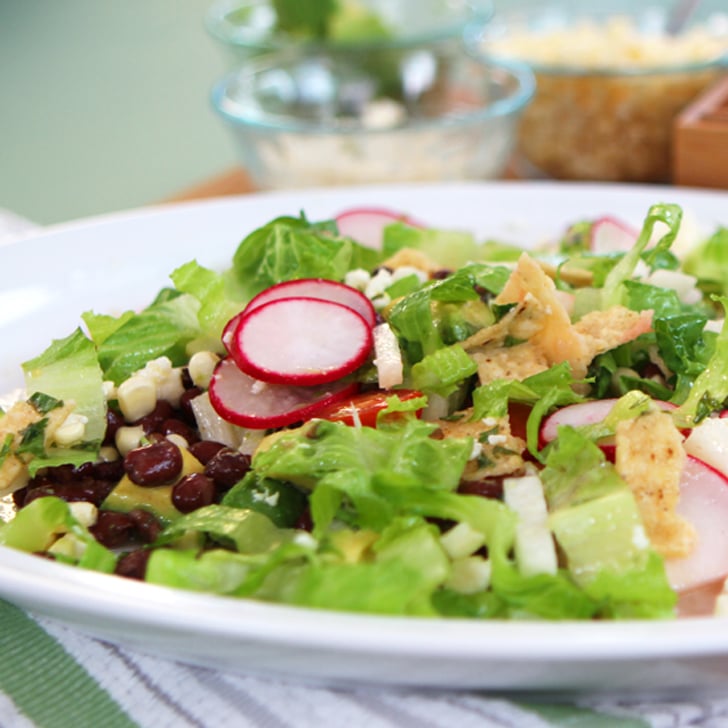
pixel 302 121
pixel 245 28
pixel 611 79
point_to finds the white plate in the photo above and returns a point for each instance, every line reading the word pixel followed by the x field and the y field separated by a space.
pixel 120 261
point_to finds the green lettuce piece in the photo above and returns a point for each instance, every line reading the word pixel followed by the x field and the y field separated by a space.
pixel 543 391
pixel 245 530
pixel 445 311
pixel 710 389
pixel 443 370
pixel 340 465
pixel 69 371
pixel 450 248
pixel 642 297
pixel 686 349
pixel 282 502
pixel 37 526
pixel 596 522
pixel 218 297
pixel 162 329
pixel 541 596
pixel 289 248
pixel 709 262
pixel 671 215
pixel 409 565
pixel 627 407
pixel 222 571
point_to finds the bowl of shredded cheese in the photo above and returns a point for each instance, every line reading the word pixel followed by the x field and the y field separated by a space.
pixel 611 78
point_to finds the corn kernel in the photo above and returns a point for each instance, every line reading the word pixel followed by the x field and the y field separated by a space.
pixel 137 397
pixel 201 366
pixel 71 430
pixel 128 438
pixel 84 512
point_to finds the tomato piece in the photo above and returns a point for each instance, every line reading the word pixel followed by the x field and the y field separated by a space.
pixel 518 416
pixel 363 408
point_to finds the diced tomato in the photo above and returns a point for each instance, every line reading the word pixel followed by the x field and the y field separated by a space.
pixel 363 408
pixel 518 415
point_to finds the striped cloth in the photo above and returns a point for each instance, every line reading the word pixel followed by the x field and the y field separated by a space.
pixel 52 676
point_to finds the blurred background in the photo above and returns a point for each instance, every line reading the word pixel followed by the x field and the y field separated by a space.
pixel 104 105
pixel 107 106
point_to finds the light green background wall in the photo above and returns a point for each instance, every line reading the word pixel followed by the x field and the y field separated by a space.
pixel 104 104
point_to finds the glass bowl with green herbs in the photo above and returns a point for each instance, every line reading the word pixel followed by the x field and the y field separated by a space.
pixel 246 28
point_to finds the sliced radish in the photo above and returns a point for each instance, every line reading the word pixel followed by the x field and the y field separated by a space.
pixel 321 289
pixel 609 235
pixel 708 442
pixel 704 503
pixel 248 402
pixel 228 333
pixel 583 413
pixel 365 224
pixel 301 341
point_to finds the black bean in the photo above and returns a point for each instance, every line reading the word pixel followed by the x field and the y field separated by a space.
pixel 113 530
pixel 109 470
pixel 133 565
pixel 192 492
pixel 114 420
pixel 205 450
pixel 227 467
pixel 147 525
pixel 88 489
pixel 153 421
pixel 155 464
pixel 487 487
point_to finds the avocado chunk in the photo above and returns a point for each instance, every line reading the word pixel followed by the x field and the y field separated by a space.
pixel 127 495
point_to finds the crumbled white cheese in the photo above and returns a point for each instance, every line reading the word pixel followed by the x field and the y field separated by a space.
pixel 378 283
pixel 270 499
pixel 357 278
pixel 497 440
pixel 477 450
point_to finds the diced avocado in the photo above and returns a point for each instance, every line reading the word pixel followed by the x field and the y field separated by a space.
pixel 353 545
pixel 127 495
pixel 603 533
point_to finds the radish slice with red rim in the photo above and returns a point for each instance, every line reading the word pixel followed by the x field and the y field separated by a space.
pixel 301 341
pixel 609 235
pixel 228 333
pixel 365 224
pixel 319 288
pixel 248 402
pixel 704 503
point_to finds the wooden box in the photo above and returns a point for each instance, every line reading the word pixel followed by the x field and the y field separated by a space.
pixel 700 140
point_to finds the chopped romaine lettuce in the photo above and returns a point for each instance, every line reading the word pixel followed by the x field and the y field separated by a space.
pixel 288 248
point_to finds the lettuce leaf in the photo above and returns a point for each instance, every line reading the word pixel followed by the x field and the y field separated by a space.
pixel 671 215
pixel 69 371
pixel 289 248
pixel 162 329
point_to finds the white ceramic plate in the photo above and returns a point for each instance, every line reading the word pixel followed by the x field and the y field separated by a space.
pixel 120 261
